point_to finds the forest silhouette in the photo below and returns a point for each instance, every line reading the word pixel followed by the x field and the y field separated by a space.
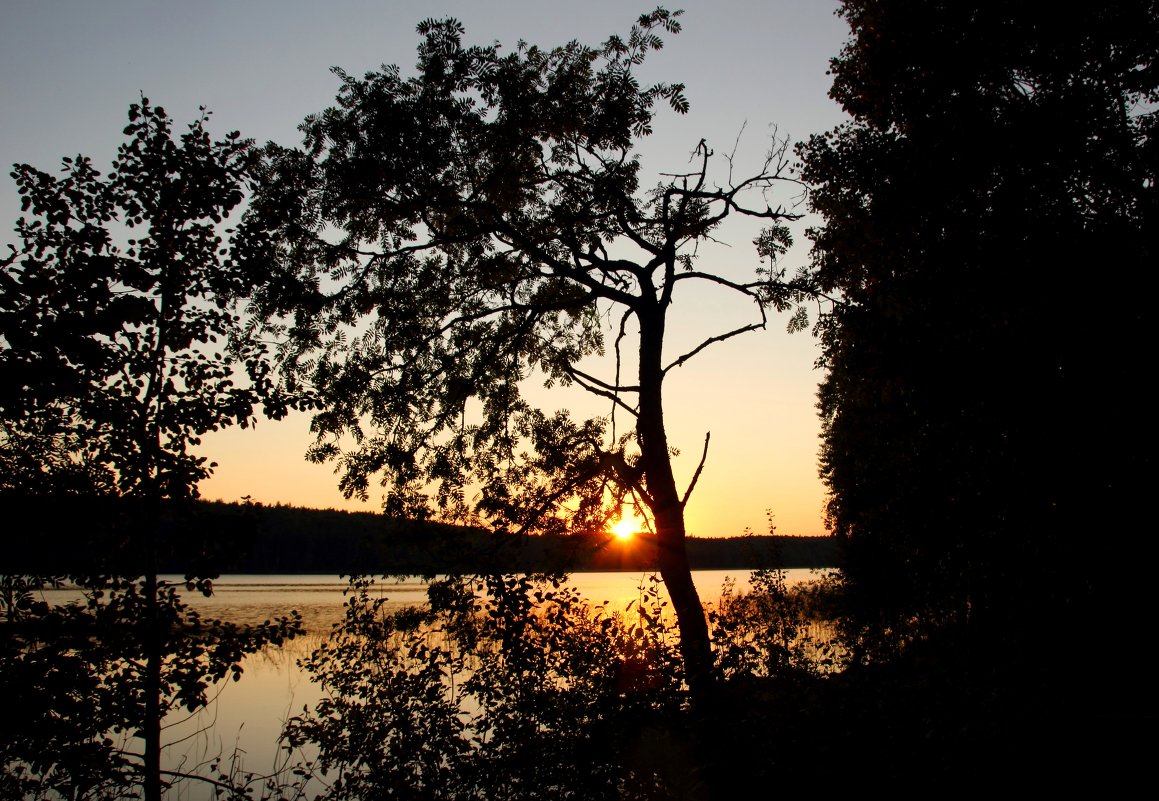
pixel 440 239
pixel 248 538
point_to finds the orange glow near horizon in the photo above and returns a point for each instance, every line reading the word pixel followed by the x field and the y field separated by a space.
pixel 624 529
pixel 627 527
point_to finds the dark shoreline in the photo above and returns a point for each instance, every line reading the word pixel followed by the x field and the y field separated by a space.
pixel 87 536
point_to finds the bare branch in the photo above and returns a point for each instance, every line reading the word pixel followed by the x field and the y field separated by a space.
pixel 577 373
pixel 597 387
pixel 699 469
pixel 619 358
pixel 748 289
pixel 712 340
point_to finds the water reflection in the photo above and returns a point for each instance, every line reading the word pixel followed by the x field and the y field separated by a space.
pixel 239 730
pixel 249 599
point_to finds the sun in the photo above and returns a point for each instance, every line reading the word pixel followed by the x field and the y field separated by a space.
pixel 625 528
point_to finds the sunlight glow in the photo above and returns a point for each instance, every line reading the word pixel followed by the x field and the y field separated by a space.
pixel 625 528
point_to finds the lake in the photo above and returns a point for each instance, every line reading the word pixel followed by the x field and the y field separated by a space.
pixel 246 717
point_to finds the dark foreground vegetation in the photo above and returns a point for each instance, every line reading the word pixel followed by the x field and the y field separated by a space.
pixel 996 181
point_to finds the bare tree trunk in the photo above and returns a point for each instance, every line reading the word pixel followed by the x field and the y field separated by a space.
pixel 668 509
pixel 151 725
pixel 695 648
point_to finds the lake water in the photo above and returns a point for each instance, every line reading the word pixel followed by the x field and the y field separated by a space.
pixel 247 716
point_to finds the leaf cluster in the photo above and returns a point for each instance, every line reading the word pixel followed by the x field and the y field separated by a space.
pixel 119 341
pixel 499 689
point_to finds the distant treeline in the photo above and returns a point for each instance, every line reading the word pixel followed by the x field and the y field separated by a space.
pixel 110 536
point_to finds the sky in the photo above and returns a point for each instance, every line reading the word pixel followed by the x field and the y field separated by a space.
pixel 70 68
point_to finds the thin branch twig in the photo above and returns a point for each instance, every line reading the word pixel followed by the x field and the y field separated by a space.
pixel 699 469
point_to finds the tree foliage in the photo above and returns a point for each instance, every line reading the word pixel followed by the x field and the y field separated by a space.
pixel 515 687
pixel 999 169
pixel 114 315
pixel 439 239
pixel 119 349
pixel 76 678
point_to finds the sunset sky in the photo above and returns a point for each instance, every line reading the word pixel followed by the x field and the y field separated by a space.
pixel 70 68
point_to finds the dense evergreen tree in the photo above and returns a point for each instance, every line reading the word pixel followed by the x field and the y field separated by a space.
pixel 989 222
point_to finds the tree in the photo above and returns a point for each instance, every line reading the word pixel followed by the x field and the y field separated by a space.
pixel 119 348
pixel 979 435
pixel 133 343
pixel 439 239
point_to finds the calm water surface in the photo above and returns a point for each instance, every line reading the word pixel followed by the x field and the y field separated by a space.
pixel 254 598
pixel 247 716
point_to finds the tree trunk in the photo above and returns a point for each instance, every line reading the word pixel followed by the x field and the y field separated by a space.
pixel 695 648
pixel 668 508
pixel 151 725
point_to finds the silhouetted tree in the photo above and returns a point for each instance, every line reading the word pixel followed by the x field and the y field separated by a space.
pixel 114 318
pixel 118 350
pixel 439 239
pixel 993 194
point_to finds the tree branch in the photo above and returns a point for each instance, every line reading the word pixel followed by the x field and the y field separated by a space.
pixel 699 469
pixel 712 340
pixel 744 289
pixel 619 358
pixel 597 387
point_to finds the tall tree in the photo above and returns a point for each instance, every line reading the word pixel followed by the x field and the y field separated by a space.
pixel 980 433
pixel 119 349
pixel 115 314
pixel 441 238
